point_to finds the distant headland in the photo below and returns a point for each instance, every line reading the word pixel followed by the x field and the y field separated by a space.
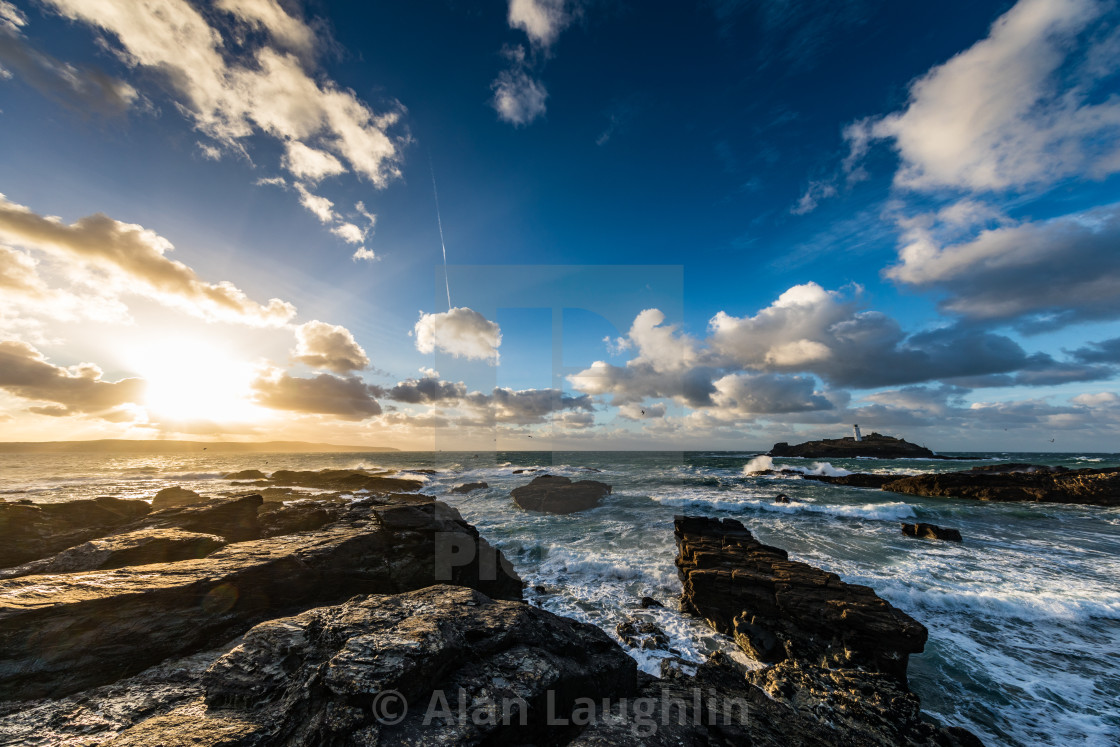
pixel 136 446
pixel 857 445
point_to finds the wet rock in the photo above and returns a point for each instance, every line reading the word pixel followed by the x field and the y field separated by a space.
pixel 32 531
pixel 931 531
pixel 139 547
pixel 1098 487
pixel 855 480
pixel 246 474
pixel 343 479
pixel 276 519
pixel 526 471
pixel 316 678
pixel 559 495
pixel 778 609
pixel 872 445
pixel 643 634
pixel 176 496
pixel 648 602
pixel 781 498
pixel 62 633
pixel 233 518
pixel 469 487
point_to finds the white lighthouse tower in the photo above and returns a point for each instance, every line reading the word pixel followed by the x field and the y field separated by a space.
pixel 855 432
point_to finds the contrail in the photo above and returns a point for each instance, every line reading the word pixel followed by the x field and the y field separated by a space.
pixel 442 244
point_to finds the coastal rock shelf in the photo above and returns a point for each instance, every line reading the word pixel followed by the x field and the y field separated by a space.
pixel 998 483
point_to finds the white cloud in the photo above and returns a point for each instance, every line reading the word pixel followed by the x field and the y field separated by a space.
pixel 518 97
pixel 11 18
pixel 541 20
pixel 349 233
pixel 461 332
pixel 1018 108
pixel 321 207
pixel 232 97
pixel 310 163
pixel 329 346
pixel 25 372
pixel 133 260
pixel 365 254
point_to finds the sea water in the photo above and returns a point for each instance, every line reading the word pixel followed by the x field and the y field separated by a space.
pixel 1023 616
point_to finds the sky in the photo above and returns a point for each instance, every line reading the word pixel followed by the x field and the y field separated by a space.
pixel 561 224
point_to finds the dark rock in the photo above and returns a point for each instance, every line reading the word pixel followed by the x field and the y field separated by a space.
pixel 246 474
pixel 1098 487
pixel 233 518
pixel 643 634
pixel 780 609
pixel 139 547
pixel 648 602
pixel 559 495
pixel 469 487
pixel 275 519
pixel 855 480
pixel 931 531
pixel 315 678
pixel 872 445
pixel 62 633
pixel 32 531
pixel 176 496
pixel 343 479
pixel 781 498
pixel 526 471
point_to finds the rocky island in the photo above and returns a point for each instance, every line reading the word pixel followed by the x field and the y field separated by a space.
pixel 873 445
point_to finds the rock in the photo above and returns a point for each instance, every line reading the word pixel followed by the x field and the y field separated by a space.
pixel 648 602
pixel 643 634
pixel 559 495
pixel 62 633
pixel 176 496
pixel 781 498
pixel 854 480
pixel 931 531
pixel 246 474
pixel 872 445
pixel 343 479
pixel 526 471
pixel 275 519
pixel 139 547
pixel 778 609
pixel 469 487
pixel 1097 487
pixel 32 531
pixel 233 518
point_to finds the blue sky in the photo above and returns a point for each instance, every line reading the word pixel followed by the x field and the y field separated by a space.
pixel 714 225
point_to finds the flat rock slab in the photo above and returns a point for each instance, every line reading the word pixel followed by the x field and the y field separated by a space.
pixel 931 531
pixel 176 496
pixel 559 495
pixel 29 531
pixel 139 547
pixel 1022 482
pixel 233 518
pixel 777 609
pixel 62 633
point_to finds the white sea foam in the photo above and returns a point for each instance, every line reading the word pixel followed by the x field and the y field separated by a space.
pixel 735 502
pixel 764 463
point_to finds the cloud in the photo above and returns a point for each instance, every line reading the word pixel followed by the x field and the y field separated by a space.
pixel 349 233
pixel 518 97
pixel 427 390
pixel 744 395
pixel 365 254
pixel 134 259
pixel 460 332
pixel 348 398
pixel 541 20
pixel 527 406
pixel 1039 274
pixel 80 389
pixel 82 88
pixel 235 86
pixel 1105 351
pixel 1019 108
pixel 329 346
pixel 320 207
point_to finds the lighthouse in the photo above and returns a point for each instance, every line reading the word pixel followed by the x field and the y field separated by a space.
pixel 855 432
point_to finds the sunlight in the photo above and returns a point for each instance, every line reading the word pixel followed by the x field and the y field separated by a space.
pixel 192 380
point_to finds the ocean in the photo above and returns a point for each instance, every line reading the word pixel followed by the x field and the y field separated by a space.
pixel 1024 615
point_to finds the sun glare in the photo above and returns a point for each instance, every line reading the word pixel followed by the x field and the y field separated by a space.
pixel 193 380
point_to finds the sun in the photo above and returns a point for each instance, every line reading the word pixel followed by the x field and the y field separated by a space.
pixel 196 380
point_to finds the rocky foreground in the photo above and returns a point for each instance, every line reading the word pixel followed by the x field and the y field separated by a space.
pixel 387 620
pixel 999 483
